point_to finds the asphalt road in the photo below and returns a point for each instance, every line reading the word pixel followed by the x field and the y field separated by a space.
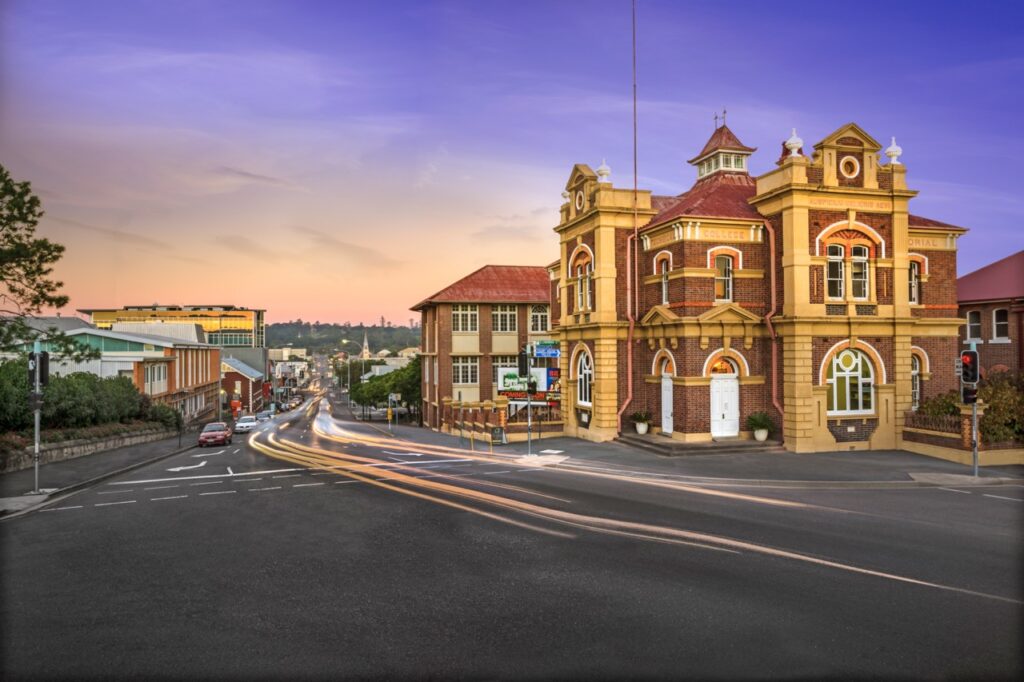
pixel 321 548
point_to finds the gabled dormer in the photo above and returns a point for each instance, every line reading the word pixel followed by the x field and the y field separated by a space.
pixel 578 191
pixel 848 158
pixel 723 153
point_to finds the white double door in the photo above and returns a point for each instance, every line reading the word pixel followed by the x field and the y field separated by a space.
pixel 725 405
pixel 666 404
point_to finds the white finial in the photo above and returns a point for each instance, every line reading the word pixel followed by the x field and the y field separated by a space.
pixel 565 194
pixel 893 152
pixel 794 143
pixel 603 171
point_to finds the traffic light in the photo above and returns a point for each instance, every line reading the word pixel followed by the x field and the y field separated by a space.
pixel 43 362
pixel 969 366
pixel 969 395
pixel 531 386
pixel 524 364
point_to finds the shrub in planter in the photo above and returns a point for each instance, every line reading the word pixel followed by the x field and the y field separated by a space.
pixel 642 419
pixel 760 422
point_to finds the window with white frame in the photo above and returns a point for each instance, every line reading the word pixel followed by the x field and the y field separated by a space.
pixel 859 272
pixel 503 318
pixel 1001 324
pixel 974 324
pixel 723 278
pixel 539 318
pixel 663 269
pixel 436 373
pixel 915 381
pixel 850 378
pixel 835 277
pixel 426 374
pixel 584 379
pixel 465 369
pixel 583 278
pixel 464 317
pixel 501 364
pixel 915 282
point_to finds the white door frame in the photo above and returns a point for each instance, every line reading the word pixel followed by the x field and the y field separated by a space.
pixel 730 410
pixel 666 404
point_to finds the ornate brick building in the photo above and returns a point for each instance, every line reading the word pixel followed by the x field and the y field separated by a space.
pixel 992 302
pixel 810 293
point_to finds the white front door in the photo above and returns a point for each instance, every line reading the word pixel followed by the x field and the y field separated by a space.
pixel 725 406
pixel 666 403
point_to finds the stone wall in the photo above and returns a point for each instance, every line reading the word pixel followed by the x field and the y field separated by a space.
pixel 69 449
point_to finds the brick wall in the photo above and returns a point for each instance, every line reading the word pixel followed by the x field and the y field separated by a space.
pixel 996 356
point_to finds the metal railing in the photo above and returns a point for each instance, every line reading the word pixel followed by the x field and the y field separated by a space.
pixel 945 423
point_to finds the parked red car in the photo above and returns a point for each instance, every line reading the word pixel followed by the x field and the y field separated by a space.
pixel 215 433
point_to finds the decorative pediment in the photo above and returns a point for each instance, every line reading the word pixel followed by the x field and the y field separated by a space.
pixel 729 312
pixel 581 173
pixel 660 314
pixel 849 135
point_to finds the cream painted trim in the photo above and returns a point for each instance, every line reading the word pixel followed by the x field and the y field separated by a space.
pixel 727 353
pixel 835 227
pixel 913 255
pixel 658 255
pixel 860 345
pixel 737 252
pixel 748 274
pixel 926 367
pixel 575 252
pixel 664 352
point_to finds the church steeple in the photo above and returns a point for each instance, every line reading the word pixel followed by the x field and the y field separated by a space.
pixel 365 354
pixel 723 152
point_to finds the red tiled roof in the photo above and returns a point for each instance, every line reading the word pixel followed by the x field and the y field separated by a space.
pixel 1003 279
pixel 921 221
pixel 496 284
pixel 719 195
pixel 722 138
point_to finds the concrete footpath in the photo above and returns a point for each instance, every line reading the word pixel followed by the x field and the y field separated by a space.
pixel 68 474
pixel 885 468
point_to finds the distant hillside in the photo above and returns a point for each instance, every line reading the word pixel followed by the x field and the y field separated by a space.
pixel 324 337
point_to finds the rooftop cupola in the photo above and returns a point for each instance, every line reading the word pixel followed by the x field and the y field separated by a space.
pixel 723 153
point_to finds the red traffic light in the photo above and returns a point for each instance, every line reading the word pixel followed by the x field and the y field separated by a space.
pixel 969 366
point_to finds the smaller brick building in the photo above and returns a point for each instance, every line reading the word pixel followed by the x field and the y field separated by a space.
pixel 473 330
pixel 992 301
pixel 242 384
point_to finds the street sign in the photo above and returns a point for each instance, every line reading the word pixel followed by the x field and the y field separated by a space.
pixel 395 397
pixel 547 349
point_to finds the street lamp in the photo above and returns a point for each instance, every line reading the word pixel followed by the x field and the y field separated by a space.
pixel 348 367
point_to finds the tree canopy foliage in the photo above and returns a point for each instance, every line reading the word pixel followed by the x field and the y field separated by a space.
pixel 26 269
pixel 405 381
pixel 323 338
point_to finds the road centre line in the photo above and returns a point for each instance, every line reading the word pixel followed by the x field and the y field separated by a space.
pixel 115 492
pixel 207 476
pixel 257 490
pixel 287 476
pixel 953 490
pixel 206 483
pixel 173 497
pixel 219 492
pixel 160 487
pixel 246 480
pixel 1000 497
pixel 107 504
pixel 494 473
pixel 306 485
pixel 77 506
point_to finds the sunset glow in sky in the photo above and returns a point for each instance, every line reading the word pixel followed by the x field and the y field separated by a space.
pixel 343 160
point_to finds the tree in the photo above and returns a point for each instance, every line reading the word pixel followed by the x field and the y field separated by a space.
pixel 26 266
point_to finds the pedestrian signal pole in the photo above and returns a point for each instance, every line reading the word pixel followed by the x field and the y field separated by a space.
pixel 38 375
pixel 969 376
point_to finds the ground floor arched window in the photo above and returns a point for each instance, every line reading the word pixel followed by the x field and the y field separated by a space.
pixel 851 381
pixel 584 379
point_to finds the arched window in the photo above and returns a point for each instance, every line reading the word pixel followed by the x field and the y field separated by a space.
pixel 663 269
pixel 723 278
pixel 584 379
pixel 723 366
pixel 915 282
pixel 583 271
pixel 859 271
pixel 539 318
pixel 915 381
pixel 835 275
pixel 851 383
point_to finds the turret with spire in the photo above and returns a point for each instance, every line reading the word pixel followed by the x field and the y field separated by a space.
pixel 365 353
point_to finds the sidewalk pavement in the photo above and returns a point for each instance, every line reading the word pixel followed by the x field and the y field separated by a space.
pixel 70 473
pixel 840 469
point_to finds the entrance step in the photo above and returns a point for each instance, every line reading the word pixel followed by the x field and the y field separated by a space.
pixel 675 448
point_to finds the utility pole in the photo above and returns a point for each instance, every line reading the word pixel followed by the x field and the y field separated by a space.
pixel 37 399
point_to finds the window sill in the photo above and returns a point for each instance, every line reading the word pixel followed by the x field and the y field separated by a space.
pixel 851 415
pixel 1002 340
pixel 968 342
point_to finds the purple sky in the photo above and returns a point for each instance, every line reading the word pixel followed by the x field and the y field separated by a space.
pixel 342 160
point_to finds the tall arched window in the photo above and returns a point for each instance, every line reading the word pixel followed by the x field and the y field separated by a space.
pixel 583 271
pixel 835 275
pixel 539 318
pixel 723 278
pixel 851 383
pixel 663 270
pixel 859 271
pixel 584 379
pixel 915 381
pixel 915 282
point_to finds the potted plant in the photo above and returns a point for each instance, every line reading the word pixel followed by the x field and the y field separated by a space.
pixel 761 424
pixel 642 421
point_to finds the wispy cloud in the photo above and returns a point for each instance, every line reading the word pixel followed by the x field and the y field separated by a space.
pixel 251 177
pixel 353 254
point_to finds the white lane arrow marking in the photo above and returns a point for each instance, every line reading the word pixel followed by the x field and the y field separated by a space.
pixel 209 454
pixel 194 466
pixel 542 460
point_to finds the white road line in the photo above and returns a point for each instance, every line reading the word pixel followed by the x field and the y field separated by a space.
pixel 107 504
pixel 256 490
pixel 1000 497
pixel 62 508
pixel 322 473
pixel 206 483
pixel 115 492
pixel 175 497
pixel 208 454
pixel 246 480
pixel 343 482
pixel 220 492
pixel 287 476
pixel 235 451
pixel 965 492
pixel 161 487
pixel 208 476
pixel 493 473
pixel 306 485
